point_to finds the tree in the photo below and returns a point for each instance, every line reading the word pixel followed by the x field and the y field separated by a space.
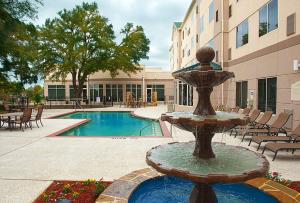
pixel 81 42
pixel 17 50
pixel 35 94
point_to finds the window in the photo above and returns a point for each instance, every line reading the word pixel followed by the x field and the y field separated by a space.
pixel 211 11
pixel 114 93
pixel 229 54
pixel 189 52
pixel 56 92
pixel 182 53
pixel 217 16
pixel 160 89
pixel 202 24
pixel 72 94
pixel 197 9
pixel 268 18
pixel 242 34
pixel 291 25
pixel 230 11
pixel 96 90
pixel 197 38
pixel 189 31
pixel 241 94
pixel 267 94
pixel 217 56
pixel 136 90
pixel 182 34
pixel 185 94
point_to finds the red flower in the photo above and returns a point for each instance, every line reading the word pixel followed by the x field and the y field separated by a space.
pixel 275 174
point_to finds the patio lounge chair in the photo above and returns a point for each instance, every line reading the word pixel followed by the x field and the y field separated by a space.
pixel 294 135
pixel 274 129
pixel 253 117
pixel 38 116
pixel 261 124
pixel 24 119
pixel 245 112
pixel 275 147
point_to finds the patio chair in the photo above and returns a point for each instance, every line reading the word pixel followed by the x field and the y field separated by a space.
pixel 246 111
pixel 294 135
pixel 252 122
pixel 38 116
pixel 261 124
pixel 275 147
pixel 274 129
pixel 24 119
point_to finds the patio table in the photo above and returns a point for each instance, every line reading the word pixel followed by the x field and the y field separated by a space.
pixel 9 116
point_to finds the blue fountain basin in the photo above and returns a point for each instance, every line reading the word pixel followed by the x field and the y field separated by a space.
pixel 167 189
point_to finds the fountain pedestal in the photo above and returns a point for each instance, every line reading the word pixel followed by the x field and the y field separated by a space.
pixel 203 193
pixel 203 136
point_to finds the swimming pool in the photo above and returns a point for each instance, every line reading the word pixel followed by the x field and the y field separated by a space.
pixel 115 124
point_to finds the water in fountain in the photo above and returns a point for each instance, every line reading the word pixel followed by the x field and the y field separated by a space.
pixel 176 190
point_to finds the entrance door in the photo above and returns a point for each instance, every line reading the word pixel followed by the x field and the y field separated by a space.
pixel 149 95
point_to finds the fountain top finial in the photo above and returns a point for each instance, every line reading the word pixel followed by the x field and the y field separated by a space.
pixel 205 55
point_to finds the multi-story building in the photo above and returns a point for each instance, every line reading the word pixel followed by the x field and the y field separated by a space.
pixel 101 86
pixel 258 40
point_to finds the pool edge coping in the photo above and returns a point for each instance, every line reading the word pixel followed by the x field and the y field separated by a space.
pixel 132 180
pixel 165 131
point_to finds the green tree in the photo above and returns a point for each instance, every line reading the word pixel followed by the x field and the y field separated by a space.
pixel 81 42
pixel 35 94
pixel 17 51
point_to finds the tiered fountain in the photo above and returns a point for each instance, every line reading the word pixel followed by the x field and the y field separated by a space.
pixel 209 162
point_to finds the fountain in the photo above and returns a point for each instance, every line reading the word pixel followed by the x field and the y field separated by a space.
pixel 201 161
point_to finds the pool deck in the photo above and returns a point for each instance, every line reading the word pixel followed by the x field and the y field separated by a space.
pixel 30 160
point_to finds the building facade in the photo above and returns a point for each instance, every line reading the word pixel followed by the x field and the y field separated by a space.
pixel 100 86
pixel 258 40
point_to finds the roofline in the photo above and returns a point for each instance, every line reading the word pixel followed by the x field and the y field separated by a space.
pixel 188 12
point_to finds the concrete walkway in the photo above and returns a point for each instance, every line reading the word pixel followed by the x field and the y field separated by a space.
pixel 30 160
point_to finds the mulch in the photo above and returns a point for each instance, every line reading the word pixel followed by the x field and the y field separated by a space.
pixel 295 186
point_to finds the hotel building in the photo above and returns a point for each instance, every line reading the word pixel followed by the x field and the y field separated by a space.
pixel 258 40
pixel 100 86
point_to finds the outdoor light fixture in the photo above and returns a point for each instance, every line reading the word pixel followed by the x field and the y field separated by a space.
pixel 296 65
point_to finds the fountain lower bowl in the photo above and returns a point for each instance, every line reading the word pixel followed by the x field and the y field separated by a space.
pixel 168 189
pixel 232 163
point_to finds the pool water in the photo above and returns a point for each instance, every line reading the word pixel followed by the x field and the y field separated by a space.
pixel 167 189
pixel 116 124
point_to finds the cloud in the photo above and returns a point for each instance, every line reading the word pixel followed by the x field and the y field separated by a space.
pixel 156 17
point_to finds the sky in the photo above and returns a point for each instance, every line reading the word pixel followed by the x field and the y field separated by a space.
pixel 155 16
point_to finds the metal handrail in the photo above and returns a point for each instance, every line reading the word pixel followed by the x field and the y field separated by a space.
pixel 145 128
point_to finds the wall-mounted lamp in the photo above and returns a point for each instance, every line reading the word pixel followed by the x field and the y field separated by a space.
pixel 296 65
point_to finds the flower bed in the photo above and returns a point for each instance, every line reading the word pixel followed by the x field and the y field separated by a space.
pixel 275 176
pixel 76 191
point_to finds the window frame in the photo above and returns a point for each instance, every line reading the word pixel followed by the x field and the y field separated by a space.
pixel 266 6
pixel 238 45
pixel 266 106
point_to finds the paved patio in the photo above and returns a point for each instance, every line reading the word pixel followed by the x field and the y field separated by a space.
pixel 30 160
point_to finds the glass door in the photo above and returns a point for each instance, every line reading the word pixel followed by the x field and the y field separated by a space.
pixel 149 95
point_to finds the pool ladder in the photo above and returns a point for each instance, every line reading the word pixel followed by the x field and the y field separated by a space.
pixel 147 126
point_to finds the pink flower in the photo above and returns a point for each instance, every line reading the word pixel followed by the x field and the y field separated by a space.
pixel 275 174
